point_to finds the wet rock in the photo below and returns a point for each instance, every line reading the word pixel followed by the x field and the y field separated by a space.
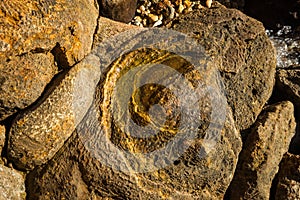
pixel 243 52
pixel 29 32
pixel 23 79
pixel 38 133
pixel 265 146
pixel 119 10
pixel 12 184
pixel 120 168
pixel 288 186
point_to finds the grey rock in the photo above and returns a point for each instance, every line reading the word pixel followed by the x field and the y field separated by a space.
pixel 245 56
pixel 38 133
pixel 30 32
pixel 265 146
pixel 119 10
pixel 288 186
pixel 12 184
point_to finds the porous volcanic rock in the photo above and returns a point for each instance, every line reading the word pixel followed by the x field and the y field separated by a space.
pixel 243 52
pixel 40 131
pixel 265 146
pixel 120 168
pixel 63 28
pixel 12 184
pixel 118 10
pixel 288 186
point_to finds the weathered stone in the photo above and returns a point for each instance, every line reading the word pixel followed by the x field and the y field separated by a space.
pixel 64 28
pixel 202 171
pixel 23 79
pixel 108 28
pixel 119 10
pixel 12 184
pixel 2 137
pixel 243 52
pixel 265 146
pixel 288 186
pixel 38 133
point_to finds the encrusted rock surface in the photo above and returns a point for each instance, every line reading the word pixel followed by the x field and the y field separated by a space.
pixel 38 133
pixel 245 56
pixel 288 186
pixel 29 32
pixel 266 144
pixel 199 172
pixel 12 184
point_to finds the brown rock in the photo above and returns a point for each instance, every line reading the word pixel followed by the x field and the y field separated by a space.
pixel 121 169
pixel 12 184
pixel 64 28
pixel 40 132
pixel 288 186
pixel 245 56
pixel 23 79
pixel 119 10
pixel 265 146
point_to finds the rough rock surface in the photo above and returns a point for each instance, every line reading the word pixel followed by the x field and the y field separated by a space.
pixel 119 10
pixel 23 79
pixel 38 133
pixel 12 184
pixel 63 28
pixel 288 186
pixel 265 146
pixel 196 173
pixel 244 55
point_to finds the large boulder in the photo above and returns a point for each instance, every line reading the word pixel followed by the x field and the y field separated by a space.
pixel 265 146
pixel 35 36
pixel 245 56
pixel 40 131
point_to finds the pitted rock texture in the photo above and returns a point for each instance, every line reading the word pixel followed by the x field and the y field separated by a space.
pixel 288 186
pixel 64 28
pixel 23 79
pixel 12 184
pixel 245 56
pixel 190 176
pixel 38 133
pixel 266 144
pixel 118 10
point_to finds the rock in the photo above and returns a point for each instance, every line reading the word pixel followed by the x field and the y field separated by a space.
pixel 38 133
pixel 2 138
pixel 288 186
pixel 108 28
pixel 124 167
pixel 238 4
pixel 29 32
pixel 119 10
pixel 23 79
pixel 265 146
pixel 12 184
pixel 243 52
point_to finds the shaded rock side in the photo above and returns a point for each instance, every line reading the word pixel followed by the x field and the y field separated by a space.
pixel 2 138
pixel 12 184
pixel 110 162
pixel 288 186
pixel 245 56
pixel 38 133
pixel 23 79
pixel 64 28
pixel 118 10
pixel 265 146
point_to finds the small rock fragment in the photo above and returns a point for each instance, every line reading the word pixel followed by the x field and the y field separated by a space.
pixel 266 144
pixel 12 184
pixel 208 3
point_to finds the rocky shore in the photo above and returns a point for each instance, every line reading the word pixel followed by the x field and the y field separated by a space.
pixel 96 104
